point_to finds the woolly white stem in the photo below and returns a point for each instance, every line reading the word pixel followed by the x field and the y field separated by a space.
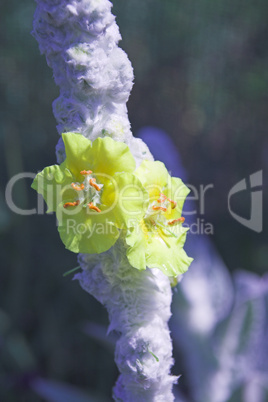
pixel 138 304
pixel 79 39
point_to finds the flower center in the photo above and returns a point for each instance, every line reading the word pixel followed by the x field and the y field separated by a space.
pixel 88 192
pixel 155 216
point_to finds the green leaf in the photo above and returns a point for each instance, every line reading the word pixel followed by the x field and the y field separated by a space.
pixel 156 358
pixel 71 271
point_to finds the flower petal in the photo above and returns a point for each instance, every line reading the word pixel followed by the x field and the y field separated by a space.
pixel 136 252
pixel 166 253
pixel 154 176
pixel 78 153
pixel 54 185
pixel 176 191
pixel 127 198
pixel 109 157
pixel 85 231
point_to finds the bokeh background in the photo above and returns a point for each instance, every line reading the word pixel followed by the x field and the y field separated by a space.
pixel 201 76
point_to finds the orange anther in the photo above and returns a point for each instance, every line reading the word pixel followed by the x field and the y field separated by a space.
pixel 179 220
pixel 91 206
pixel 71 204
pixel 77 187
pixel 93 184
pixel 174 204
pixel 85 172
pixel 155 208
pixel 162 198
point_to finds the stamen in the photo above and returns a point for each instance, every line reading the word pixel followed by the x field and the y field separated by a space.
pixel 155 208
pixel 169 231
pixel 85 172
pixel 162 198
pixel 91 206
pixel 179 220
pixel 77 187
pixel 93 184
pixel 174 204
pixel 162 237
pixel 71 204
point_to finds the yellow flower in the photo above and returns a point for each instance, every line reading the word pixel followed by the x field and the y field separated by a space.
pixel 158 240
pixel 93 192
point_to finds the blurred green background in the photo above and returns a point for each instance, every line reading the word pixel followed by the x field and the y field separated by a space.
pixel 201 75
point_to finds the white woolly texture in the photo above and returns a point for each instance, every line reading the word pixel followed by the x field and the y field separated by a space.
pixel 138 303
pixel 79 39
